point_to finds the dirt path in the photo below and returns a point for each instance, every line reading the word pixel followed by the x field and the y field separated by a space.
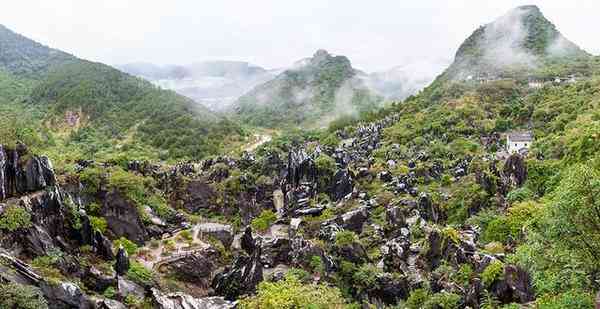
pixel 259 140
pixel 149 256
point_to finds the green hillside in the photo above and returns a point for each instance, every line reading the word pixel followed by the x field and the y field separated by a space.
pixel 100 111
pixel 321 86
pixel 520 44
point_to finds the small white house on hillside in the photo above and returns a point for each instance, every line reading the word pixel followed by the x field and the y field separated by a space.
pixel 518 141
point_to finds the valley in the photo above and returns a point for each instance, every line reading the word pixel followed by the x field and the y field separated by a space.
pixel 312 189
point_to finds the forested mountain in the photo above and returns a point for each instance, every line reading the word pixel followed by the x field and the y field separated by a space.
pixel 415 205
pixel 315 89
pixel 214 84
pixel 94 107
pixel 521 42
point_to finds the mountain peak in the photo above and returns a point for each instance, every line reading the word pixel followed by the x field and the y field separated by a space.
pixel 521 39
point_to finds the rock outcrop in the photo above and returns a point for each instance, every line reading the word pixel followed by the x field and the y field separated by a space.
pixel 243 276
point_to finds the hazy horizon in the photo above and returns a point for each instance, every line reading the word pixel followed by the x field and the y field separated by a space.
pixel 273 34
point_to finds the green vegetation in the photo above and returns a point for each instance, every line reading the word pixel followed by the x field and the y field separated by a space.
pixel 326 86
pixel 345 238
pixel 15 217
pixel 140 274
pixel 20 296
pixel 130 247
pixel 264 221
pixel 423 299
pixel 292 293
pixel 494 271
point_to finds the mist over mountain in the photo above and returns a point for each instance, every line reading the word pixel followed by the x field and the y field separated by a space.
pixel 312 91
pixel 404 80
pixel 214 84
pixel 522 41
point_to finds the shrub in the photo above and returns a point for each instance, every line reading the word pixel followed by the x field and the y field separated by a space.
pixel 444 300
pixel 497 230
pixel 519 195
pixel 316 264
pixel 110 292
pixel 20 296
pixel 463 275
pixel 345 238
pixel 417 299
pixel 15 217
pixel 494 271
pixel 186 235
pixel 140 274
pixel 331 140
pixel 494 247
pixel 127 244
pixel 570 299
pixel 264 221
pixel 325 164
pixel 366 276
pixel 98 223
pixel 292 293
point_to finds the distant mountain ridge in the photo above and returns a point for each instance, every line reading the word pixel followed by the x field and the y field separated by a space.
pixel 214 84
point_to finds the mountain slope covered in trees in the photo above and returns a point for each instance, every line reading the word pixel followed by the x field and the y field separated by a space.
pixel 96 108
pixel 316 89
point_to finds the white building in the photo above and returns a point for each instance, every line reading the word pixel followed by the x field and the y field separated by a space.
pixel 518 141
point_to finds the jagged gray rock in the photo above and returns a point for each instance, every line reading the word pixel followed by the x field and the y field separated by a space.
pixel 184 301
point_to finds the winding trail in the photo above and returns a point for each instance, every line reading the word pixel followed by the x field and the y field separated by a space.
pixel 260 139
pixel 153 257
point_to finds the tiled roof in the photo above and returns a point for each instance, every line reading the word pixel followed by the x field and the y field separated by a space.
pixel 520 136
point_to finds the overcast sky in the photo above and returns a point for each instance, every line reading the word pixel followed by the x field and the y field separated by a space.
pixel 375 35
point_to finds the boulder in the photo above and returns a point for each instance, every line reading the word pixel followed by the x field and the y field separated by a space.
pixel 39 173
pixel 314 211
pixel 395 252
pixel 97 281
pixel 342 184
pixel 196 268
pixel 433 255
pixel 474 293
pixel 303 250
pixel 198 195
pixel 395 218
pixel 245 274
pixel 102 246
pixel 515 170
pixel 275 251
pixel 65 295
pixel 185 301
pixel 428 210
pixel 353 252
pixel 354 220
pixel 515 287
pixel 109 304
pixel 221 232
pixel 241 278
pixel 123 217
pixel 122 262
pixel 127 287
pixel 388 289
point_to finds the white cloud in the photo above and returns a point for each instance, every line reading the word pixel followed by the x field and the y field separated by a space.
pixel 375 35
